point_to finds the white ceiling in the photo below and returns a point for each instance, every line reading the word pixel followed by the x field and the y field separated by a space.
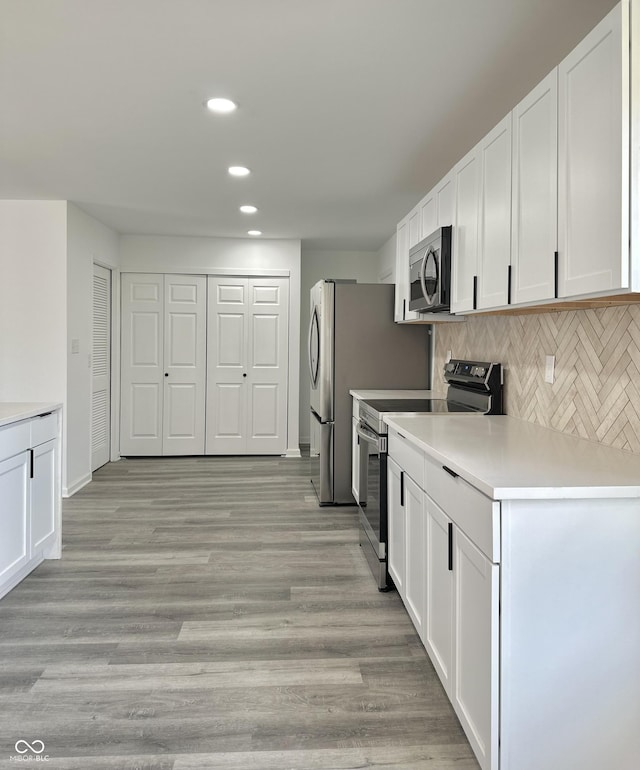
pixel 349 110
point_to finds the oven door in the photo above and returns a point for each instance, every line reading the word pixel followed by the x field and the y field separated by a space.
pixel 372 500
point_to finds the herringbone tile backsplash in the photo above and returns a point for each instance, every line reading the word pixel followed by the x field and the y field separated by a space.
pixel 596 393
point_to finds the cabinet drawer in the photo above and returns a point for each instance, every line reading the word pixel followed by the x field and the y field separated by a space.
pixel 44 428
pixel 474 513
pixel 409 458
pixel 14 438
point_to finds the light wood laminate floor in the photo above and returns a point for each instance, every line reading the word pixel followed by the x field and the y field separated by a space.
pixel 207 613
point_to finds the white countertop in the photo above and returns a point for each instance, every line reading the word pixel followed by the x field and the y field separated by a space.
pixel 363 394
pixel 18 410
pixel 506 458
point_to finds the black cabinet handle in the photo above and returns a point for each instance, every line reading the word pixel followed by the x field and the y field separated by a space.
pixel 555 274
pixel 475 292
pixel 450 544
pixel 402 488
pixel 404 309
pixel 509 285
pixel 450 472
pixel 31 463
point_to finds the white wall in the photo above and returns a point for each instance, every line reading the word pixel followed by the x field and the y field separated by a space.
pixel 33 297
pixel 316 265
pixel 88 241
pixel 204 255
pixel 387 261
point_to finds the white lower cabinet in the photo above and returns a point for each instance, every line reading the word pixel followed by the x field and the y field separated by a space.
pixel 414 587
pixel 475 694
pixel 438 613
pixel 450 588
pixel 527 605
pixel 406 526
pixel 14 494
pixel 29 496
pixel 396 558
pixel 43 496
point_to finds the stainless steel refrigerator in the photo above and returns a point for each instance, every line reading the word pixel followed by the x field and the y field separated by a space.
pixel 354 344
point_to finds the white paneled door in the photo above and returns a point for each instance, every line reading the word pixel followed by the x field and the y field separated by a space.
pixel 101 368
pixel 163 364
pixel 185 351
pixel 248 348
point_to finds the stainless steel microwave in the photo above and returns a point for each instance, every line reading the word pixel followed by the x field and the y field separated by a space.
pixel 430 272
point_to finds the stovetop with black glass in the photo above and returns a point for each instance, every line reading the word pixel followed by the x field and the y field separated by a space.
pixel 474 387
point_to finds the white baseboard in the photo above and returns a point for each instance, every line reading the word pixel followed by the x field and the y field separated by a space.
pixel 293 452
pixel 76 486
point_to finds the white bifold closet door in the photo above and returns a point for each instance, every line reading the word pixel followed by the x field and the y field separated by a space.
pixel 101 368
pixel 163 364
pixel 247 361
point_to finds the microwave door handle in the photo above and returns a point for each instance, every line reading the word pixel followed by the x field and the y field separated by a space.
pixel 423 270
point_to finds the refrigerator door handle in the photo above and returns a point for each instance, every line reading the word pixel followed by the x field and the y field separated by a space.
pixel 314 323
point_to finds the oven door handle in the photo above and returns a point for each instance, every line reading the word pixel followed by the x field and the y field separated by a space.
pixel 380 442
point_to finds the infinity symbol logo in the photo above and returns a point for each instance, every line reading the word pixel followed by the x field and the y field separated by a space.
pixel 37 747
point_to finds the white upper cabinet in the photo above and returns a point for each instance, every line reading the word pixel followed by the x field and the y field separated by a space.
pixel 428 213
pixel 464 258
pixel 593 168
pixel 444 195
pixel 494 251
pixel 534 202
pixel 436 208
pixel 541 207
pixel 407 235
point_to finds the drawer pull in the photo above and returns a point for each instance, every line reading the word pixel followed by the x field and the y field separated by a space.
pixel 450 472
pixel 401 436
pixel 450 544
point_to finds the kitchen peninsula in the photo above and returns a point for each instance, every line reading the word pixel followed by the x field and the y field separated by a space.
pixel 527 593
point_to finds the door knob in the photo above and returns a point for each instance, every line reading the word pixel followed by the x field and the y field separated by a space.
pixel 244 375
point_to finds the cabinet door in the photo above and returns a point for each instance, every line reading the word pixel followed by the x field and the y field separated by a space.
pixel 185 349
pixel 396 526
pixel 142 364
pixel 534 205
pixel 414 552
pixel 494 254
pixel 445 197
pixel 43 496
pixel 14 515
pixel 593 167
pixel 402 312
pixel 465 232
pixel 476 644
pixel 428 213
pixel 438 621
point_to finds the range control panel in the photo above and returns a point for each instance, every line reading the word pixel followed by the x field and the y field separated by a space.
pixel 475 369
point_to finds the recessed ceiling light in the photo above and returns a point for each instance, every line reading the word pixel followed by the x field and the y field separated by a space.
pixel 248 209
pixel 221 105
pixel 239 170
pixel 254 232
